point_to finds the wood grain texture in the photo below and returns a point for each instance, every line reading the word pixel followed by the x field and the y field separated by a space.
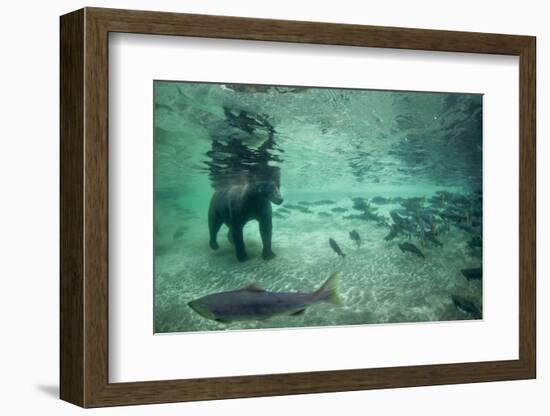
pixel 71 100
pixel 96 208
pixel 162 23
pixel 528 207
pixel 84 207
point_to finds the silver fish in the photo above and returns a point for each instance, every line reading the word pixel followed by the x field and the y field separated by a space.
pixel 466 306
pixel 354 235
pixel 472 274
pixel 254 303
pixel 411 248
pixel 336 247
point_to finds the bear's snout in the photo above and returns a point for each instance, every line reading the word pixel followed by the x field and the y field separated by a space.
pixel 276 197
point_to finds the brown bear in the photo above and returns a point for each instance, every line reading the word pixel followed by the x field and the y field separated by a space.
pixel 235 205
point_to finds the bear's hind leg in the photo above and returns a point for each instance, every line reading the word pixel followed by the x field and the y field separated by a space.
pixel 214 224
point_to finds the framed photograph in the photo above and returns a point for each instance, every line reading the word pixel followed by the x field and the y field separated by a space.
pixel 255 207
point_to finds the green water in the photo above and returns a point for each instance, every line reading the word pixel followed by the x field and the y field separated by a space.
pixel 418 155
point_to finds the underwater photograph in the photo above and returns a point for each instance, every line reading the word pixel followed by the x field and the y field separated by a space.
pixel 293 206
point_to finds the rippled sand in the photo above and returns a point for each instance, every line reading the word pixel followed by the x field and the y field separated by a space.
pixel 378 283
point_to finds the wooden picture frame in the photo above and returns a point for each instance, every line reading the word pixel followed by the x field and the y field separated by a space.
pixel 84 207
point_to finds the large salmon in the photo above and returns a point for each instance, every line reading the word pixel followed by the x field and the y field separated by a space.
pixel 254 303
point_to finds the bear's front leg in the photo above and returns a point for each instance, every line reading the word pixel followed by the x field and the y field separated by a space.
pixel 265 232
pixel 238 240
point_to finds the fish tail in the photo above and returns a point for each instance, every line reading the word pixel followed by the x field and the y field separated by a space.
pixel 329 290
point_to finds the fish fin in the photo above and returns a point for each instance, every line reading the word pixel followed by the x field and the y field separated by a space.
pixel 330 288
pixel 253 288
pixel 299 312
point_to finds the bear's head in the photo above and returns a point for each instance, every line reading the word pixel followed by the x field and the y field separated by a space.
pixel 268 186
pixel 271 191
